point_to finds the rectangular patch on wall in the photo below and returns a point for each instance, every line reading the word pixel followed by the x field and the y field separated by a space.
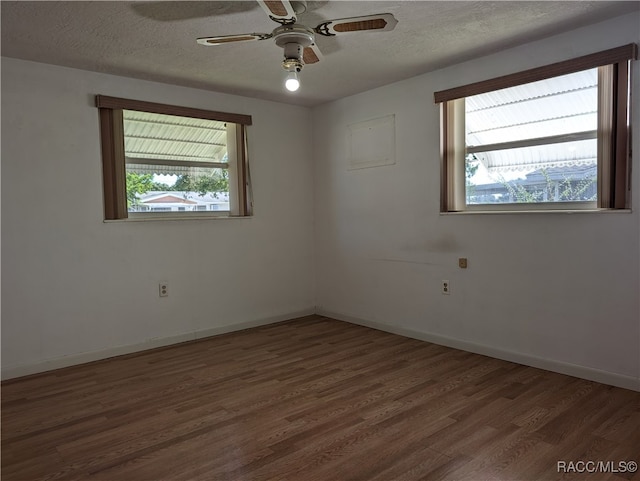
pixel 372 143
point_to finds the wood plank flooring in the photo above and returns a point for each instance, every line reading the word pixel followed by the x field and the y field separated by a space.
pixel 313 399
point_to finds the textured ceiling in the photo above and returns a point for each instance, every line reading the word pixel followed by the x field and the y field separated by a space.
pixel 156 40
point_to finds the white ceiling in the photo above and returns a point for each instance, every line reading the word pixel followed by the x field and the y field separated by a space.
pixel 156 40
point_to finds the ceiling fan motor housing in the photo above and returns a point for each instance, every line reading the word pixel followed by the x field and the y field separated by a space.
pixel 293 39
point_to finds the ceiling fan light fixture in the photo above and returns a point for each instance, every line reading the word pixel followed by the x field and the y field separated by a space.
pixel 292 82
pixel 293 66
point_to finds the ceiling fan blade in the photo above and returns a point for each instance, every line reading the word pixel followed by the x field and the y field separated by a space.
pixel 311 54
pixel 381 22
pixel 244 37
pixel 280 11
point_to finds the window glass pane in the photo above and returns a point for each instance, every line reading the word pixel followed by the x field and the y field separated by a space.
pixel 534 142
pixel 175 164
pixel 202 190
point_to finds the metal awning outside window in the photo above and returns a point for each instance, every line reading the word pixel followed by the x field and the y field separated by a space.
pixel 170 145
pixel 549 123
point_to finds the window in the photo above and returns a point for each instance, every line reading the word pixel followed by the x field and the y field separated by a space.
pixel 554 137
pixel 163 160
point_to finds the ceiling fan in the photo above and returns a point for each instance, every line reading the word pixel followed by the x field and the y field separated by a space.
pixel 297 40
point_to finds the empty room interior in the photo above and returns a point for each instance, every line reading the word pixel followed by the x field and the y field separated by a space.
pixel 323 240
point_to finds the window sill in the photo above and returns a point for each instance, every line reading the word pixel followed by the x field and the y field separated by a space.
pixel 538 211
pixel 162 218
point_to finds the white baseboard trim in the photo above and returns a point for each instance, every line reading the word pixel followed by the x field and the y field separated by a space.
pixel 604 377
pixel 85 357
pixel 575 370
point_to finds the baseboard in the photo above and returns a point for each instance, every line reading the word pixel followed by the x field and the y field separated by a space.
pixel 75 359
pixel 582 372
pixel 574 370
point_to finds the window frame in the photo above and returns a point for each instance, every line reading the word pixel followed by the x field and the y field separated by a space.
pixel 614 151
pixel 114 163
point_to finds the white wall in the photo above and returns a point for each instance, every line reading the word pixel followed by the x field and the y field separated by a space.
pixel 552 290
pixel 76 289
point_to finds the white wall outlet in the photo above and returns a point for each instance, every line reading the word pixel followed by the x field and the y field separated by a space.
pixel 163 289
pixel 446 287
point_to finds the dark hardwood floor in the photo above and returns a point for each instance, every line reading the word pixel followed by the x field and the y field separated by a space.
pixel 314 399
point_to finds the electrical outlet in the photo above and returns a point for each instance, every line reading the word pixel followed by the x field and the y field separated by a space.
pixel 163 289
pixel 446 287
